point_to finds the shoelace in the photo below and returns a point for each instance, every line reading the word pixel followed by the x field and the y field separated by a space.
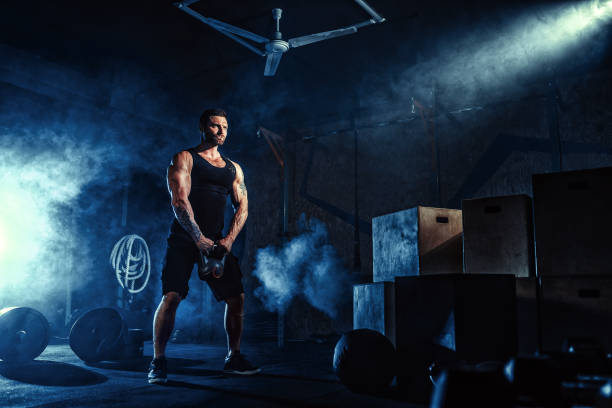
pixel 158 364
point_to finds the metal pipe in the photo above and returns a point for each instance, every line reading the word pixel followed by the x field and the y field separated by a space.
pixel 124 206
pixel 285 196
pixel 281 329
pixel 285 199
pixel 357 232
pixel 553 127
pixel 280 160
pixel 436 145
pixel 285 226
pixel 68 310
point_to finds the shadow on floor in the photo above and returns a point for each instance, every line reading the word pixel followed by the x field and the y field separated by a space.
pixel 297 377
pixel 391 393
pixel 413 394
pixel 182 366
pixel 43 372
pixel 286 402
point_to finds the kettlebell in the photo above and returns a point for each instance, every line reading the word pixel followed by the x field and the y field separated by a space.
pixel 213 263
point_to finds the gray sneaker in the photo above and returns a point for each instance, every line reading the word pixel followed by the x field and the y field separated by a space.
pixel 158 371
pixel 238 364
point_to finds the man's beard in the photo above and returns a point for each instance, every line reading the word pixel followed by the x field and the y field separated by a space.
pixel 212 139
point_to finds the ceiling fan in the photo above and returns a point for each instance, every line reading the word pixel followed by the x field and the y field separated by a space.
pixel 275 48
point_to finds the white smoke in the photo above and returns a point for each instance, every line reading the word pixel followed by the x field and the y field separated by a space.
pixel 306 265
pixel 41 177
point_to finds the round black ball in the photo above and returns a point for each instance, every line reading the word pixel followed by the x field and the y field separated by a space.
pixel 364 360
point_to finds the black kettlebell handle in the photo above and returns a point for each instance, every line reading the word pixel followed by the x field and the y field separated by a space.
pixel 215 255
pixel 218 251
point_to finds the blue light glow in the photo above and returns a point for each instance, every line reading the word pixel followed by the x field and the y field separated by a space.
pixel 504 55
pixel 38 248
pixel 24 224
pixel 606 390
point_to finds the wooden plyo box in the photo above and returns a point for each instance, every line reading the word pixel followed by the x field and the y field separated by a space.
pixel 498 236
pixel 417 241
pixel 576 307
pixel 474 316
pixel 374 308
pixel 442 318
pixel 573 222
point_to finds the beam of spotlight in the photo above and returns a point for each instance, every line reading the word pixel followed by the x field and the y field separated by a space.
pixel 582 16
pixel 493 58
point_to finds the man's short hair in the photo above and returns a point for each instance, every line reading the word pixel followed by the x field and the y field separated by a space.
pixel 208 113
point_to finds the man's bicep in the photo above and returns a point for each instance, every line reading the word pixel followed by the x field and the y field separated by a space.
pixel 179 179
pixel 239 187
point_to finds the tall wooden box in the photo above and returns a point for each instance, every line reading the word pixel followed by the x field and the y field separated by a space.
pixel 454 317
pixel 573 223
pixel 576 307
pixel 498 236
pixel 417 241
pixel 374 308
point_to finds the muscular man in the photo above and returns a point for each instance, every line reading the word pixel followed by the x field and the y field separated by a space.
pixel 199 180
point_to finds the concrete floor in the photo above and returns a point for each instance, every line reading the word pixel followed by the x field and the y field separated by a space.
pixel 299 375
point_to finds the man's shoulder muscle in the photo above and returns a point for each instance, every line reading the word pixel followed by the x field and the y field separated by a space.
pixel 182 160
pixel 238 168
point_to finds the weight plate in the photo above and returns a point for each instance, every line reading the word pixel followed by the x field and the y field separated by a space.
pixel 24 334
pixel 98 335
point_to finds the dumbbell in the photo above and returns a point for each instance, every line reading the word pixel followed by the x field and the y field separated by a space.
pixel 213 263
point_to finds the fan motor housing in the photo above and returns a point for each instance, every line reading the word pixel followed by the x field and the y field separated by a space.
pixel 277 46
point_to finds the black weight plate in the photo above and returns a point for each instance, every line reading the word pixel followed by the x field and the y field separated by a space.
pixel 97 335
pixel 24 334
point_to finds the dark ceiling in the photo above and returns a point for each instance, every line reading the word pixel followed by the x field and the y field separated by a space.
pixel 158 54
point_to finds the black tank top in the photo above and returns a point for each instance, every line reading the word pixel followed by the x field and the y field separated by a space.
pixel 210 186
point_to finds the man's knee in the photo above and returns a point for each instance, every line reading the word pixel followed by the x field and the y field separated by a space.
pixel 171 300
pixel 236 304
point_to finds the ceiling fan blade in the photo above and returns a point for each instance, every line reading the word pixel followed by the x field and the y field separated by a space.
pixel 185 3
pixel 236 30
pixel 221 26
pixel 312 38
pixel 272 62
pixel 370 11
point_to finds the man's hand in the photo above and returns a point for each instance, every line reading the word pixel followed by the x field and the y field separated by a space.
pixel 205 245
pixel 227 242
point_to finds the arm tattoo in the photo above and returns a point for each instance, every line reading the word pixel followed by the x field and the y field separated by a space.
pixel 182 215
pixel 243 188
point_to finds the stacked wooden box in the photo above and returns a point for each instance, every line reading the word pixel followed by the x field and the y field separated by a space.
pixel 417 241
pixel 461 284
pixel 498 239
pixel 574 249
pixel 424 303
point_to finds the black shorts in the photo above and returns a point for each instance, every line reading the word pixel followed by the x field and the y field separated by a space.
pixel 181 255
